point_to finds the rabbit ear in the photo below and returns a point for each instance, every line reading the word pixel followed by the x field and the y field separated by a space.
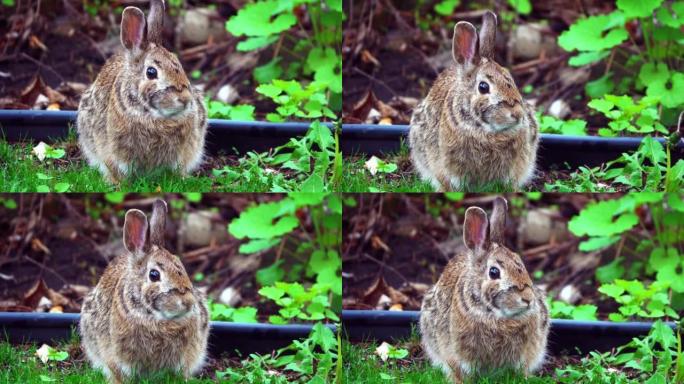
pixel 135 232
pixel 497 225
pixel 475 233
pixel 133 29
pixel 465 44
pixel 155 22
pixel 158 223
pixel 488 35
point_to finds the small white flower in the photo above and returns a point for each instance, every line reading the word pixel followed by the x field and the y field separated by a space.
pixel 372 165
pixel 40 150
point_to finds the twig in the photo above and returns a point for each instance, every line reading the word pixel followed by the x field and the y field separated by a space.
pixel 370 77
pixel 45 267
pixel 41 65
pixel 384 265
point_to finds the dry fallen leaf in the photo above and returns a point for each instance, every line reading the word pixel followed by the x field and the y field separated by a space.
pixel 372 165
pixel 43 352
pixel 383 351
pixel 39 150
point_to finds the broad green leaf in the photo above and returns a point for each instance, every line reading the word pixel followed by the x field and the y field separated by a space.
pixel 447 7
pixel 638 8
pixel 263 221
pixel 595 33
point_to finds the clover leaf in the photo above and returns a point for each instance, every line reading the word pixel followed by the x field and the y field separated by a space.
pixel 595 33
pixel 638 8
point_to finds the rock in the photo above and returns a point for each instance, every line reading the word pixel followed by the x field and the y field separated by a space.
pixel 573 76
pixel 201 227
pixel 194 26
pixel 538 227
pixel 559 109
pixel 570 294
pixel 230 297
pixel 526 41
pixel 227 94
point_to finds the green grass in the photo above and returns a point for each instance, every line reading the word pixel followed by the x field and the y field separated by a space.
pixel 19 364
pixel 362 365
pixel 22 172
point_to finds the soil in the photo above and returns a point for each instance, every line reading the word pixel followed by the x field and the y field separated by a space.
pixel 396 246
pixel 61 243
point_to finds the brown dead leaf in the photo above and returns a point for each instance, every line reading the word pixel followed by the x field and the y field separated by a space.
pixel 377 243
pixel 34 294
pixel 38 245
pixel 384 295
pixel 363 107
pixel 34 42
pixel 368 57
pixel 30 93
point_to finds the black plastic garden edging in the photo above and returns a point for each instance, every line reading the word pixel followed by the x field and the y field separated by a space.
pixel 223 135
pixel 553 149
pixel 565 336
pixel 32 327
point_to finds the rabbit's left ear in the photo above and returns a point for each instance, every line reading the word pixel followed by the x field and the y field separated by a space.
pixel 465 44
pixel 133 30
pixel 488 35
pixel 155 22
pixel 158 223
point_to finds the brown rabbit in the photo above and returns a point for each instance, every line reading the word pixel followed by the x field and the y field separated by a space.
pixel 141 112
pixel 484 312
pixel 144 314
pixel 474 128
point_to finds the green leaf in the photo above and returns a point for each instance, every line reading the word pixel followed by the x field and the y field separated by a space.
pixel 521 6
pixel 62 187
pixel 595 33
pixel 258 245
pixel 245 315
pixel 597 243
pixel 585 58
pixel 600 87
pixel 254 43
pixel 611 271
pixel 115 197
pixel 584 312
pixel 271 274
pixel 611 290
pixel 638 8
pixel 263 221
pixel 447 7
pixel 266 73
pixel 242 112
pixel 599 219
pixel 260 19
pixel 42 189
pixel 601 105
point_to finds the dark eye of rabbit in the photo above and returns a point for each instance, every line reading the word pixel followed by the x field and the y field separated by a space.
pixel 494 273
pixel 154 275
pixel 483 87
pixel 151 73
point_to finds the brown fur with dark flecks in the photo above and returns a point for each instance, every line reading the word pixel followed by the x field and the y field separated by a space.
pixel 132 324
pixel 472 321
pixel 128 121
pixel 461 136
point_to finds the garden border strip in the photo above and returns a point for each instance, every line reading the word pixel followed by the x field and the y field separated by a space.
pixel 592 151
pixel 225 136
pixel 565 336
pixel 33 327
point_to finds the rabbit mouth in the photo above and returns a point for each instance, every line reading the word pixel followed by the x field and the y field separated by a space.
pixel 170 308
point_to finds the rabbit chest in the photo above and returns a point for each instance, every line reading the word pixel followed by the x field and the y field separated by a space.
pixel 154 143
pixel 495 343
pixel 157 345
pixel 492 156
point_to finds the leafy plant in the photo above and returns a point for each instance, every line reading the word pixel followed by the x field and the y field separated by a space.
pixel 597 37
pixel 266 22
pixel 627 116
pixel 222 312
pixel 297 302
pixel 550 124
pixel 308 102
pixel 562 310
pixel 219 110
pixel 311 360
pixel 636 300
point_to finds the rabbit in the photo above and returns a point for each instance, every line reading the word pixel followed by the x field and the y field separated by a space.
pixel 141 112
pixel 474 128
pixel 484 313
pixel 144 315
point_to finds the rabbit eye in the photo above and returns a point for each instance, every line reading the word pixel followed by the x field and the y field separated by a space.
pixel 154 275
pixel 483 87
pixel 494 273
pixel 151 73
